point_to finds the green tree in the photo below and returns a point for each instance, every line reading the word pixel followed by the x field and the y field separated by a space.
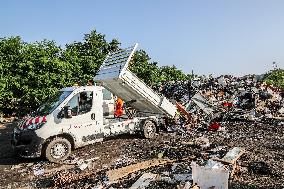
pixel 30 73
pixel 275 77
pixel 10 56
pixel 171 73
pixel 151 73
pixel 88 55
pixel 145 70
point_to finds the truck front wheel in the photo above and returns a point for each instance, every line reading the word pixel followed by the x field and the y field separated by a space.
pixel 58 149
pixel 149 129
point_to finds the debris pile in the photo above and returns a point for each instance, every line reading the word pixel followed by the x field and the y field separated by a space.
pixel 210 101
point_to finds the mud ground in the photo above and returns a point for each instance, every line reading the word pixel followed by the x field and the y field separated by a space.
pixel 262 166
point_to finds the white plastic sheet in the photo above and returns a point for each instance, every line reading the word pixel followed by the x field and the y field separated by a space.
pixel 212 175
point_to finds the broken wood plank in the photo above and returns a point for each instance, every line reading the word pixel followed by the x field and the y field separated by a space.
pixel 116 174
pixel 188 143
pixel 119 173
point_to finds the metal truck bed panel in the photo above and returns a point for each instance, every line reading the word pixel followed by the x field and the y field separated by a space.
pixel 115 76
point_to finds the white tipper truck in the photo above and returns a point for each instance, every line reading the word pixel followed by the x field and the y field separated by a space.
pixel 77 116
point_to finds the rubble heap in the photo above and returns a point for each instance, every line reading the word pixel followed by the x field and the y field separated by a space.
pixel 226 98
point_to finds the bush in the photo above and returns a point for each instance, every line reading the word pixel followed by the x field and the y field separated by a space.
pixel 275 77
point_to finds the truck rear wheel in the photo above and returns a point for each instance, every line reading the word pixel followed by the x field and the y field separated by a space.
pixel 149 129
pixel 58 149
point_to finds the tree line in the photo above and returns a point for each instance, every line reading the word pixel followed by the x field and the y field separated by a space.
pixel 31 72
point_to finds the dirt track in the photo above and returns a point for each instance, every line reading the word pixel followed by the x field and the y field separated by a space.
pixel 263 143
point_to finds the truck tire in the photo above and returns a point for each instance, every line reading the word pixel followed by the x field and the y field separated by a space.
pixel 58 149
pixel 149 129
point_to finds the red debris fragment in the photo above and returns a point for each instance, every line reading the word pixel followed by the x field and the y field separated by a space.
pixel 227 104
pixel 214 126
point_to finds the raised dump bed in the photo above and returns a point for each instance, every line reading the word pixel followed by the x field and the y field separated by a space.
pixel 115 76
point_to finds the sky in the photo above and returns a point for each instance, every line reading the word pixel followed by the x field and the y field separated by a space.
pixel 207 36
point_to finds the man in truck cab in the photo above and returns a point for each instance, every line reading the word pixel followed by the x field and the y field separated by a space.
pixel 85 103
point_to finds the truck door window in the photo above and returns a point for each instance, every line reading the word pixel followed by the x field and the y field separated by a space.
pixel 106 95
pixel 85 102
pixel 81 103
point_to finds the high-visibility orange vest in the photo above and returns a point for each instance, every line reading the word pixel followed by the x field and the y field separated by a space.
pixel 118 108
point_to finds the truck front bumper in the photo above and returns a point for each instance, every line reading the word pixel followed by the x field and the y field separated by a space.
pixel 26 143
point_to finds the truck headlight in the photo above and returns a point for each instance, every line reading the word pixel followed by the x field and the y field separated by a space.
pixel 35 126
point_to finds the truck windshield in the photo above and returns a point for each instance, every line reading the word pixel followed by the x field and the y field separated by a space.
pixel 52 103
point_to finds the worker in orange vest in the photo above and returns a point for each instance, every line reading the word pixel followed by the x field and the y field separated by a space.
pixel 118 107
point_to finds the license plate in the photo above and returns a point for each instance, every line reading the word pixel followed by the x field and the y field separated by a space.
pixel 16 131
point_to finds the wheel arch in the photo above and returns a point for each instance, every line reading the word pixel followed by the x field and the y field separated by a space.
pixel 149 119
pixel 67 136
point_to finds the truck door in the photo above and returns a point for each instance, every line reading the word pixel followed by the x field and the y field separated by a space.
pixel 108 103
pixel 83 122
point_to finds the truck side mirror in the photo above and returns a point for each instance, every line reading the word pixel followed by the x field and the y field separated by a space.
pixel 60 115
pixel 67 112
